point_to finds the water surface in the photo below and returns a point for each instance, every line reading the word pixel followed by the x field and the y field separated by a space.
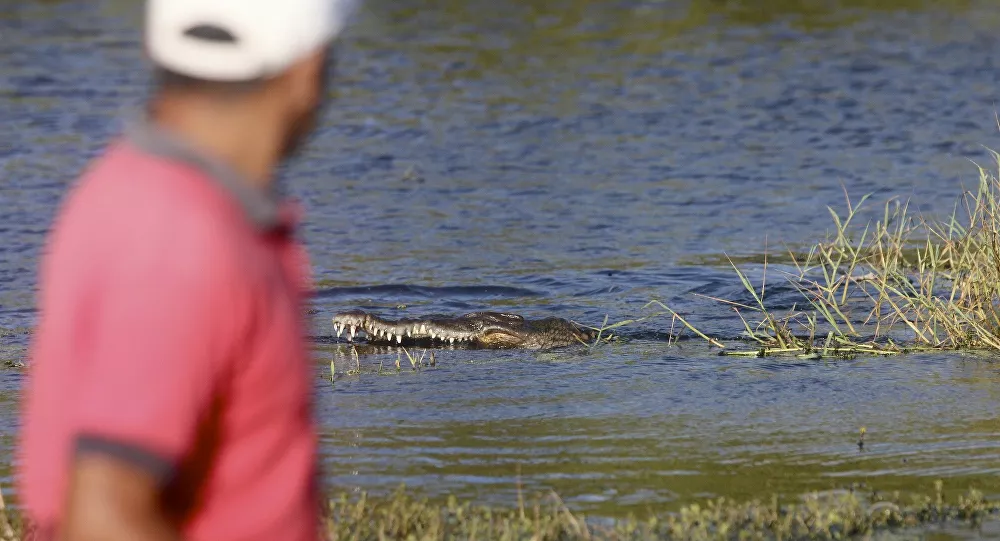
pixel 579 159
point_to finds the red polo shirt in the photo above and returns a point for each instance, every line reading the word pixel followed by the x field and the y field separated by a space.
pixel 172 336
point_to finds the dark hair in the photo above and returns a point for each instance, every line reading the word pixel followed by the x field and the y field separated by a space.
pixel 166 79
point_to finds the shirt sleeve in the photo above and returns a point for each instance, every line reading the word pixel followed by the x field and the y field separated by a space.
pixel 155 345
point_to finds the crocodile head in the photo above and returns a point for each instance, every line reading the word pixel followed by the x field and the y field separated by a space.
pixel 477 329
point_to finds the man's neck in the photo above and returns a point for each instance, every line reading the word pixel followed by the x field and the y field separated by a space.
pixel 244 140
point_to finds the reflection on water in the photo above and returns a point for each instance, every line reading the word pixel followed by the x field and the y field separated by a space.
pixel 578 159
pixel 643 424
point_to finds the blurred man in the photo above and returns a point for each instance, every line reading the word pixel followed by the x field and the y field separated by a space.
pixel 170 387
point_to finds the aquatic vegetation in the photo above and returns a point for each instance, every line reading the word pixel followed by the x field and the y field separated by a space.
pixel 822 515
pixel 899 283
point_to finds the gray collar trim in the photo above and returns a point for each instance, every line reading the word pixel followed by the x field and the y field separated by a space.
pixel 262 208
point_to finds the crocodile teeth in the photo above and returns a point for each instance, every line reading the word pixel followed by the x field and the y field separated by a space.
pixel 423 329
pixel 352 332
pixel 451 340
pixel 409 332
pixel 399 339
pixel 340 329
pixel 434 336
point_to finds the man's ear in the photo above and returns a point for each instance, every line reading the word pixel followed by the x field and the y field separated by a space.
pixel 302 78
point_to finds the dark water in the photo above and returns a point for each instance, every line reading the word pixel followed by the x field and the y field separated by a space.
pixel 579 158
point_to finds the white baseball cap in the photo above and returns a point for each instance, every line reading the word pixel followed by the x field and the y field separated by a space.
pixel 239 40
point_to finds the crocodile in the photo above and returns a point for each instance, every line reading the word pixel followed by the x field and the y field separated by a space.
pixel 492 330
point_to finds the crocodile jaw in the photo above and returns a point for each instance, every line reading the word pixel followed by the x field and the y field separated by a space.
pixel 408 331
pixel 492 330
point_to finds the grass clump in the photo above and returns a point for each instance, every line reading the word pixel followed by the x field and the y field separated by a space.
pixel 11 528
pixel 830 515
pixel 834 514
pixel 901 279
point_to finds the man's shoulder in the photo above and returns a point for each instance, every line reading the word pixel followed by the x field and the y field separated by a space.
pixel 141 209
pixel 144 183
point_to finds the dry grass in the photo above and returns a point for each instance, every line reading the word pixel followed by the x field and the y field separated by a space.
pixel 828 515
pixel 10 530
pixel 899 283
